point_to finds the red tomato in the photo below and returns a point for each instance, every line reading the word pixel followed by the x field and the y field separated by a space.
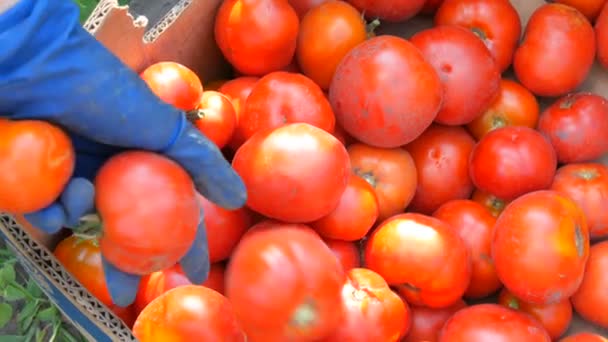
pixel 372 311
pixel 391 172
pixel 238 90
pixel 303 6
pixel 427 322
pixel 511 161
pixel 591 298
pixel 469 74
pixel 587 185
pixel 266 224
pixel 280 98
pixel 492 322
pixel 257 37
pixel 384 93
pixel 554 317
pixel 389 10
pixel 431 6
pixel 133 240
pixel 491 202
pixel 175 84
pixel 590 8
pixel 285 285
pixel 576 125
pixel 584 337
pixel 327 33
pixel 497 23
pixel 294 173
pixel 37 162
pixel 550 229
pixel 215 117
pixel 355 215
pixel 422 257
pixel 441 151
pixel 188 313
pixel 215 280
pixel 475 225
pixel 347 252
pixel 557 51
pixel 514 106
pixel 601 34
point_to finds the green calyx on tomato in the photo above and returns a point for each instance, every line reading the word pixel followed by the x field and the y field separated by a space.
pixel 367 176
pixel 89 228
pixel 513 303
pixel 371 27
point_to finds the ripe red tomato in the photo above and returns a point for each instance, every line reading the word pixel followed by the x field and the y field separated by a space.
pixel 511 161
pixel 427 322
pixel 347 252
pixel 601 34
pixel 492 322
pixel 587 185
pixel 384 93
pixel 134 240
pixel 327 33
pixel 38 160
pixel 283 97
pixel 188 313
pixel 590 8
pixel 285 285
pixel 514 106
pixel 430 7
pixel 584 337
pixel 267 224
pixel 215 117
pixel 391 172
pixel 555 317
pixel 557 51
pixel 497 23
pixel 372 311
pixel 590 299
pixel 215 280
pixel 355 215
pixel 303 6
pixel 469 74
pixel 238 90
pixel 576 125
pixel 540 247
pixel 389 10
pixel 175 84
pixel 440 151
pixel 257 37
pixel 422 257
pixel 494 204
pixel 294 173
pixel 475 225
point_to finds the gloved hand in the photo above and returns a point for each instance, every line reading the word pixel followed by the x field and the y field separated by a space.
pixel 52 69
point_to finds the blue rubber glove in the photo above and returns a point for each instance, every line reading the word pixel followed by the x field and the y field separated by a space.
pixel 52 69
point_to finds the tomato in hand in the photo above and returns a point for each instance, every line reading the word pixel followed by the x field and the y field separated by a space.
pixel 511 161
pixel 514 106
pixel 469 74
pixel 540 247
pixel 347 252
pixel 37 162
pixel 285 285
pixel 591 298
pixel 494 204
pixel 215 117
pixel 384 93
pixel 601 34
pixel 175 84
pixel 590 8
pixel 440 151
pixel 134 240
pixel 372 311
pixel 303 6
pixel 391 172
pixel 422 257
pixel 188 313
pixel 557 51
pixel 584 337
pixel 576 125
pixel 497 23
pixel 427 322
pixel 389 10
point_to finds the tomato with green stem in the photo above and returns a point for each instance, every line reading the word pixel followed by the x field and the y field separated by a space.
pixel 215 117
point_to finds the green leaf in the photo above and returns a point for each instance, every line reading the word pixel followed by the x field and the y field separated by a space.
pixel 7 274
pixel 29 310
pixel 31 332
pixel 66 335
pixel 6 313
pixel 34 289
pixel 25 325
pixel 12 293
pixel 12 338
pixel 49 314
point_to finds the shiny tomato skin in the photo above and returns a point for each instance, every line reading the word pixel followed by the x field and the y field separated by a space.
pixel 327 33
pixel 238 90
pixel 492 322
pixel 174 83
pixel 257 37
pixel 294 173
pixel 494 204
pixel 293 296
pixel 268 224
pixel 389 10
pixel 475 225
pixel 391 172
pixel 601 35
pixel 584 337
pixel 590 299
pixel 590 8
pixel 347 252
pixel 372 311
pixel 514 106
pixel 576 125
pixel 440 151
pixel 133 240
pixel 38 160
pixel 303 6
pixel 188 313
pixel 497 23
pixel 427 322
pixel 384 93
pixel 216 117
pixel 511 161
pixel 549 228
pixel 422 257
pixel 557 51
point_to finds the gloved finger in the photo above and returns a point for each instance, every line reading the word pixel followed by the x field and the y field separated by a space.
pixel 195 263
pixel 50 219
pixel 122 286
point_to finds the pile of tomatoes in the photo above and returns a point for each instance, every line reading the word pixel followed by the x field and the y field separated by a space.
pixel 389 179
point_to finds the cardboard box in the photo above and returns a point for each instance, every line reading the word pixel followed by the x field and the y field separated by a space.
pixel 180 31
